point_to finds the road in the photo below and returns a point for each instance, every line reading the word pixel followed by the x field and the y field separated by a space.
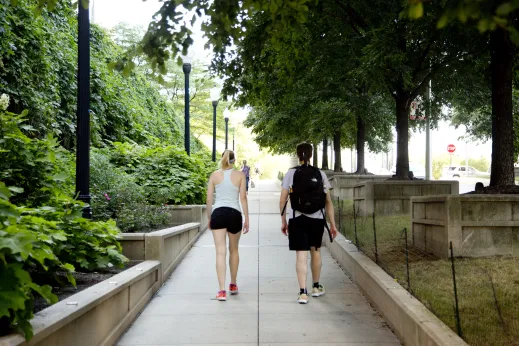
pixel 468 184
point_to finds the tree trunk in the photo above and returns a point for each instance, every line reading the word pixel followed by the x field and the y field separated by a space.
pixel 325 154
pixel 402 142
pixel 315 158
pixel 337 167
pixel 502 61
pixel 361 140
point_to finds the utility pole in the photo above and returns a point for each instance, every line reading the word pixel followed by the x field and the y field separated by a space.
pixel 428 161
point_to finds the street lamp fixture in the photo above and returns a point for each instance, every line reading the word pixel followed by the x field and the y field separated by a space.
pixel 226 114
pixel 83 111
pixel 186 67
pixel 215 96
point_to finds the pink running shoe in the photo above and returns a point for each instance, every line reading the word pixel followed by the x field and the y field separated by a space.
pixel 233 289
pixel 221 296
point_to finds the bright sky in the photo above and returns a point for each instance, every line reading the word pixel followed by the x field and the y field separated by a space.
pixel 108 13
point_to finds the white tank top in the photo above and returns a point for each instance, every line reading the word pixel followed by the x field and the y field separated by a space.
pixel 227 194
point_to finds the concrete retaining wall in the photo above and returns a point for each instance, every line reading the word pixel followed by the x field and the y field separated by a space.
pixel 343 185
pixel 394 197
pixel 182 214
pixel 98 315
pixel 109 307
pixel 167 246
pixel 413 323
pixel 477 225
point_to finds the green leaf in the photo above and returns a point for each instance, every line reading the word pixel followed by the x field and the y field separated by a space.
pixel 61 176
pixel 15 189
pixel 504 9
pixel 45 292
pixel 442 22
pixel 514 34
pixel 5 193
pixel 416 10
pixel 483 25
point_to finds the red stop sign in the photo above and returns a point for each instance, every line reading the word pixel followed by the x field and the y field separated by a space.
pixel 451 148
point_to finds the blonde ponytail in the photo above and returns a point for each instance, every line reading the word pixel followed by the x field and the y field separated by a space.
pixel 227 160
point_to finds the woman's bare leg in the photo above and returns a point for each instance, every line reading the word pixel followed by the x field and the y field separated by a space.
pixel 234 256
pixel 221 253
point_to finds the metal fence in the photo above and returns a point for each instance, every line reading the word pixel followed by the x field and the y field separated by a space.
pixel 477 297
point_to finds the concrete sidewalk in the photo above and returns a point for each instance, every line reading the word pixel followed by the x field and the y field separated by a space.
pixel 265 312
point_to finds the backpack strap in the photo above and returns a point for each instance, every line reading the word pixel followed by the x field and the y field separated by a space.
pixel 326 225
pixel 284 208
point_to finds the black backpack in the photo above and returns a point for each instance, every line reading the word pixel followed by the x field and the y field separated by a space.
pixel 307 193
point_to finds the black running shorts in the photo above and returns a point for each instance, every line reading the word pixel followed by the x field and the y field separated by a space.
pixel 305 232
pixel 225 217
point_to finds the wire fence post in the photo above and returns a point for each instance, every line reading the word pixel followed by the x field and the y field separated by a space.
pixel 375 238
pixel 339 213
pixel 456 307
pixel 355 226
pixel 407 260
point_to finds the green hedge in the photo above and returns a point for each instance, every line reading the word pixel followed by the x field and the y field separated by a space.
pixel 41 228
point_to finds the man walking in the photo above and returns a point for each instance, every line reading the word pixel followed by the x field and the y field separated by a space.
pixel 246 170
pixel 308 188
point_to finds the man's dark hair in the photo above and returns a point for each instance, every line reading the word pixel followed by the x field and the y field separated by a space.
pixel 304 152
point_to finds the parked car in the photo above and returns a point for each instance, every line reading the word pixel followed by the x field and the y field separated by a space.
pixel 461 171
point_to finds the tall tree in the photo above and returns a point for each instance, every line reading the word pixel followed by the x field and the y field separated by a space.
pixel 501 19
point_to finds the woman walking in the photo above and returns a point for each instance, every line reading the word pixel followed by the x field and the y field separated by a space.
pixel 225 218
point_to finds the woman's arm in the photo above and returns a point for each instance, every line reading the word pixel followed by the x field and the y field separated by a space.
pixel 244 203
pixel 210 196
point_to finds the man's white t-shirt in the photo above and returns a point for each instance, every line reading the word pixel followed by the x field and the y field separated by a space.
pixel 288 181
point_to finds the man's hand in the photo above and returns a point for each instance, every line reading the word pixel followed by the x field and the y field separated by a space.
pixel 284 226
pixel 333 231
pixel 245 229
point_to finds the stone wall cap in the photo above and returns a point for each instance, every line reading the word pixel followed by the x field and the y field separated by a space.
pixel 131 236
pixel 472 197
pixel 54 317
pixel 408 182
pixel 187 206
pixel 172 231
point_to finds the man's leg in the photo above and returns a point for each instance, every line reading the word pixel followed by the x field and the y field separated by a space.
pixel 301 267
pixel 315 253
pixel 301 270
pixel 316 264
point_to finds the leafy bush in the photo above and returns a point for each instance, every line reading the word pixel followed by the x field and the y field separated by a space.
pixel 25 243
pixel 168 174
pixel 45 231
pixel 115 194
pixel 481 164
pixel 36 166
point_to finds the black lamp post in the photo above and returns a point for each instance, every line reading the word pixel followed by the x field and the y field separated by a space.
pixel 186 67
pixel 83 111
pixel 215 95
pixel 233 139
pixel 226 132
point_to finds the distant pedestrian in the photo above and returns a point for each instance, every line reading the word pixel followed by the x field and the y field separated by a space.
pixel 246 170
pixel 225 218
pixel 307 187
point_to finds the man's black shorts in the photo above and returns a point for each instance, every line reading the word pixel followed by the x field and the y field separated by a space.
pixel 225 217
pixel 305 232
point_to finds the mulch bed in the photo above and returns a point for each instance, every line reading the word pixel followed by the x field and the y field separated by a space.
pixel 84 280
pixel 497 190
